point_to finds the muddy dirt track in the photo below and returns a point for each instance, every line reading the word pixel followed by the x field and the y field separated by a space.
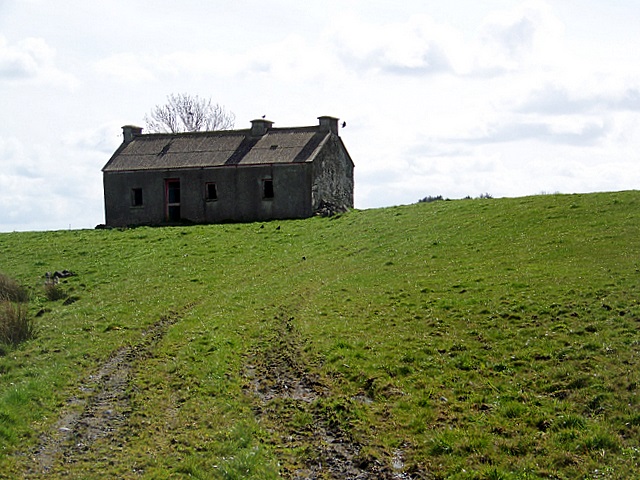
pixel 281 384
pixel 99 411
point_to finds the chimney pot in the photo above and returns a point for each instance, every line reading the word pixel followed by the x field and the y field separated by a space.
pixel 260 126
pixel 328 123
pixel 130 131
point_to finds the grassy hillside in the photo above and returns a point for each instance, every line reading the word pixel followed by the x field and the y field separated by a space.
pixel 493 338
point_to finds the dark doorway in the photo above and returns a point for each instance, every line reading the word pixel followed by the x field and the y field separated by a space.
pixel 172 199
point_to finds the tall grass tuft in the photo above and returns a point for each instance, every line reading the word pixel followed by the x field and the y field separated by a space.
pixel 15 324
pixel 10 290
pixel 53 292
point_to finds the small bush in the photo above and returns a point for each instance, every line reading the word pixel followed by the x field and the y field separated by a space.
pixel 429 199
pixel 10 290
pixel 15 324
pixel 54 292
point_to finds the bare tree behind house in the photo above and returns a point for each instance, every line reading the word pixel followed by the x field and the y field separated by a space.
pixel 188 113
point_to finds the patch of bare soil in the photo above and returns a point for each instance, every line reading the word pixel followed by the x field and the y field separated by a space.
pixel 284 391
pixel 99 409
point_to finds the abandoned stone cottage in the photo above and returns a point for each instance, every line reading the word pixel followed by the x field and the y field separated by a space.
pixel 255 174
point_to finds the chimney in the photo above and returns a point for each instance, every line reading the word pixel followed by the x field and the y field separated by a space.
pixel 328 123
pixel 260 126
pixel 130 131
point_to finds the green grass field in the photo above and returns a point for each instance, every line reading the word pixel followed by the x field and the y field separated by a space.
pixel 467 339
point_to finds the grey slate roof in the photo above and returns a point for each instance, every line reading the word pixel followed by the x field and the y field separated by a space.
pixel 217 149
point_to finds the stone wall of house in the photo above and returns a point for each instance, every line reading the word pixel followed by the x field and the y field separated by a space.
pixel 239 195
pixel 332 176
pixel 120 210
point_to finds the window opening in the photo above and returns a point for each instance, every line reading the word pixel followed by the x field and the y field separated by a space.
pixel 136 197
pixel 212 191
pixel 267 188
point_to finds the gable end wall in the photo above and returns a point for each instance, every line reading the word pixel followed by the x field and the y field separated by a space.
pixel 332 176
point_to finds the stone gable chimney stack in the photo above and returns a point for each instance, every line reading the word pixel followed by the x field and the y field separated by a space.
pixel 329 123
pixel 130 131
pixel 260 126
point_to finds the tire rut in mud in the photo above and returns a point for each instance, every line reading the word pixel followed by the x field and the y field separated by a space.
pixel 283 389
pixel 99 409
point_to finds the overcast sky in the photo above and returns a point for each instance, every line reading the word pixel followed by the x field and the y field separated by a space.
pixel 452 98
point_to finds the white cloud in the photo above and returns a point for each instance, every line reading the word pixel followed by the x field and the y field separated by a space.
pixel 52 185
pixel 554 99
pixel 506 41
pixel 418 46
pixel 103 138
pixel 288 60
pixel 529 34
pixel 31 59
pixel 126 67
pixel 570 131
